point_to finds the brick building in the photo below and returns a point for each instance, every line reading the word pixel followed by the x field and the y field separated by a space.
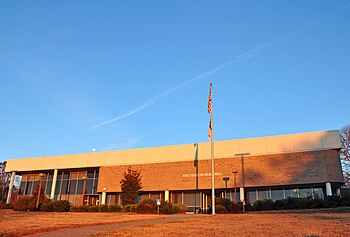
pixel 275 167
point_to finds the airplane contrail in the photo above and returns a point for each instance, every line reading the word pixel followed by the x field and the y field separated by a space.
pixel 241 58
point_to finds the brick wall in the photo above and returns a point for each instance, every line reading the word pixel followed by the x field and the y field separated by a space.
pixel 267 170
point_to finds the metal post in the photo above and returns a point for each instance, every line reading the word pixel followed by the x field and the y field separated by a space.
pixel 235 186
pixel 41 175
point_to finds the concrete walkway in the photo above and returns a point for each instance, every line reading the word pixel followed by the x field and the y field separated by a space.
pixel 89 230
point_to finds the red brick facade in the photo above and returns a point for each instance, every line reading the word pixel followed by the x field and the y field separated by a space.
pixel 267 170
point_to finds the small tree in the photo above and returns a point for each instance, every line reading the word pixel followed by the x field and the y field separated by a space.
pixel 4 182
pixel 131 185
pixel 345 153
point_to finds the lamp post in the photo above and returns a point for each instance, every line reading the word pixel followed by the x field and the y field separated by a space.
pixel 226 179
pixel 84 187
pixel 235 185
pixel 41 175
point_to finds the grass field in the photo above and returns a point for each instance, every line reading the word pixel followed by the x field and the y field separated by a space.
pixel 326 222
pixel 334 222
pixel 15 223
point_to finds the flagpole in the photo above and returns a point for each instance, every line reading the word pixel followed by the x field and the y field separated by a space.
pixel 212 159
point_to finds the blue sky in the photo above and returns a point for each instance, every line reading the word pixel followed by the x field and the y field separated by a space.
pixel 69 67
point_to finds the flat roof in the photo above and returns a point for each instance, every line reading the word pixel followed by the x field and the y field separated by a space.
pixel 290 143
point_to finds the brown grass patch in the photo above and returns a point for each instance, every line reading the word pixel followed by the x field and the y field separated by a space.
pixel 14 223
pixel 262 224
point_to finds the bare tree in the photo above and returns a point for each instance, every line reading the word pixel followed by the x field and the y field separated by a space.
pixel 345 153
pixel 4 182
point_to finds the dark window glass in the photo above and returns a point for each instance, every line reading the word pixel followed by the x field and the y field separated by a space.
pixel 74 175
pixel 277 195
pixel 58 187
pixel 48 187
pixel 35 186
pixel 94 188
pixel 29 188
pixel 262 195
pixel 80 186
pixel 252 196
pixel 96 175
pixel 59 176
pixel 305 192
pixel 64 187
pixel 291 192
pixel 50 177
pixel 22 188
pixel 91 174
pixel 72 186
pixel 89 184
pixel 66 175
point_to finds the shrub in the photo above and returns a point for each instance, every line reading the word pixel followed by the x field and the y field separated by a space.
pixel 130 208
pixel 180 208
pixel 61 206
pixel 332 201
pixel 103 208
pixel 237 208
pixel 24 203
pixel 145 208
pixel 280 204
pixel 166 207
pixel 93 208
pixel 220 209
pixel 114 208
pixel 83 208
pixel 73 209
pixel 47 207
pixel 225 203
pixel 6 206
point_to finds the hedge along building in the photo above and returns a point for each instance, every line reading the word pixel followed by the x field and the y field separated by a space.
pixel 275 167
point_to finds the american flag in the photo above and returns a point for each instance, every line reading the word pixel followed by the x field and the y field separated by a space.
pixel 209 100
pixel 210 132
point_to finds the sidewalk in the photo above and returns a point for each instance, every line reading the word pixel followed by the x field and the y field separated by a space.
pixel 89 230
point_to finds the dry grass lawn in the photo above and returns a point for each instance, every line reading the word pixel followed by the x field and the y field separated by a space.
pixel 257 224
pixel 14 223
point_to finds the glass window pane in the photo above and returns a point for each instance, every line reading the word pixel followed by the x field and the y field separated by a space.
pixel 58 186
pixel 22 188
pixel 90 174
pixel 277 195
pixel 189 199
pixel 96 175
pixel 291 193
pixel 82 175
pixel 72 186
pixel 80 186
pixel 262 195
pixel 252 196
pixel 89 184
pixel 304 192
pixel 66 175
pixel 94 188
pixel 29 188
pixel 50 177
pixel 64 188
pixel 48 187
pixel 318 193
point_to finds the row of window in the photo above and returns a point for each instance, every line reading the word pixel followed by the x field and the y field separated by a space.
pixel 68 184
